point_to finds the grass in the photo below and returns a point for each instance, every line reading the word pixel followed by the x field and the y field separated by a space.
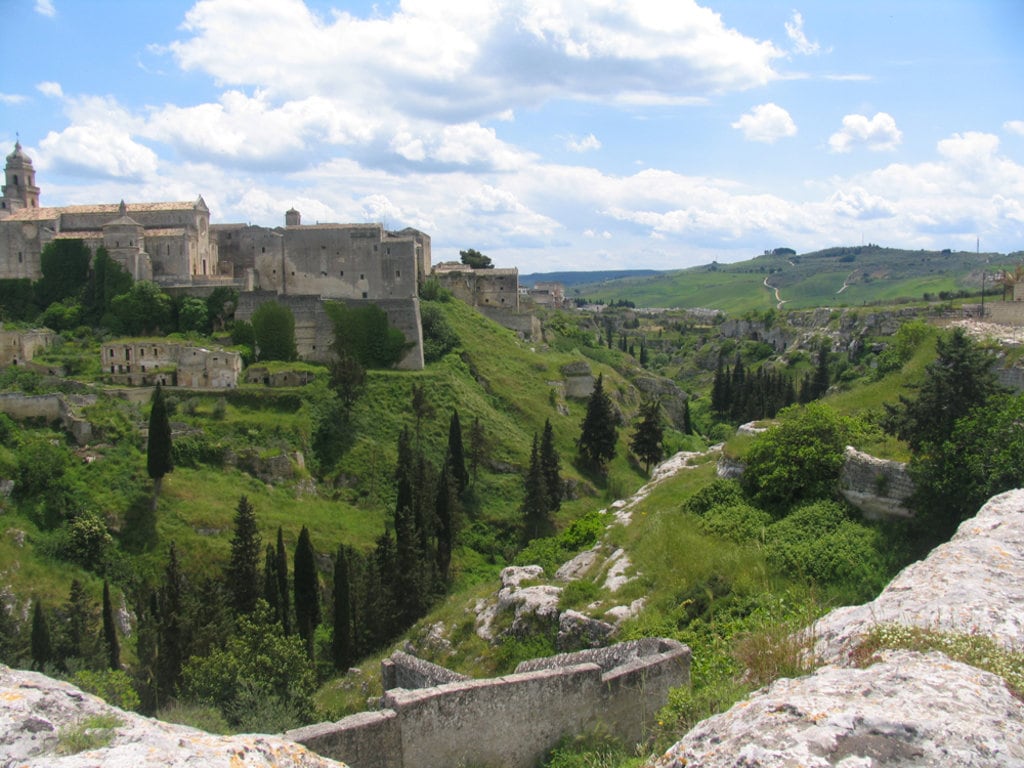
pixel 977 650
pixel 94 732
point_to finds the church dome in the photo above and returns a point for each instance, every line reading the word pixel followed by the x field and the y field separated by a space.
pixel 18 156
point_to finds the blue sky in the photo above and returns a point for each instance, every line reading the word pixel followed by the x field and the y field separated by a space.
pixel 549 134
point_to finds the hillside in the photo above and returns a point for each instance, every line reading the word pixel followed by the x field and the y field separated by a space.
pixel 834 277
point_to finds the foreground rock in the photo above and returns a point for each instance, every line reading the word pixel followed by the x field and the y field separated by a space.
pixel 42 720
pixel 906 708
pixel 972 583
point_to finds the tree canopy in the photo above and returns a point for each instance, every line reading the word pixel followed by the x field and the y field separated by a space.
pixel 273 326
pixel 363 334
pixel 475 260
pixel 599 431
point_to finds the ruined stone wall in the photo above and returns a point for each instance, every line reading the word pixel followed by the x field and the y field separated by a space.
pixel 877 487
pixel 1005 312
pixel 523 323
pixel 509 721
pixel 144 363
pixel 498 288
pixel 19 347
pixel 50 408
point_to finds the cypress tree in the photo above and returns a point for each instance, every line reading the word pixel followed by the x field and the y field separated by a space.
pixel 598 433
pixel 551 468
pixel 477 446
pixel 445 509
pixel 271 593
pixel 646 442
pixel 687 422
pixel 170 627
pixel 382 592
pixel 535 500
pixel 243 568
pixel 282 583
pixel 159 461
pixel 456 454
pixel 41 651
pixel 79 638
pixel 342 641
pixel 110 630
pixel 307 591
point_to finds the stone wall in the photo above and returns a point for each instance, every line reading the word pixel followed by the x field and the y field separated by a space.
pixel 877 487
pixel 146 363
pixel 19 347
pixel 314 331
pixel 510 721
pixel 480 287
pixel 52 408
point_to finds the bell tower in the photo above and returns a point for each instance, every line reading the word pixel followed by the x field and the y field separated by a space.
pixel 19 190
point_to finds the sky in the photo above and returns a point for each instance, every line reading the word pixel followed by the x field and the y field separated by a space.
pixel 548 134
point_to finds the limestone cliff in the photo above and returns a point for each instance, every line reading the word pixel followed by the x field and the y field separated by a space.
pixel 906 708
pixel 45 722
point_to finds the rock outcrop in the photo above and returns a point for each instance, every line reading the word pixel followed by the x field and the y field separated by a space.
pixel 905 708
pixel 45 722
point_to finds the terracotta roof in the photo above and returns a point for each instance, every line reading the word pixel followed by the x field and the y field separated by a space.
pixel 114 209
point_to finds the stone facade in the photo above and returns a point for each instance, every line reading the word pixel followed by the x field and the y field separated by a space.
pixel 480 287
pixel 146 363
pixel 19 347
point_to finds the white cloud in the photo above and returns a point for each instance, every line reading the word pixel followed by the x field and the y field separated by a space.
pixel 766 123
pixel 51 89
pixel 45 8
pixel 11 98
pixel 98 149
pixel 795 32
pixel 584 144
pixel 877 133
pixel 1014 126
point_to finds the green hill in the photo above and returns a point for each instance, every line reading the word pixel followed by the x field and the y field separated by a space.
pixel 843 276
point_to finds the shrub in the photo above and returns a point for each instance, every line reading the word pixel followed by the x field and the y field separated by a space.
pixel 114 686
pixel 740 523
pixel 719 493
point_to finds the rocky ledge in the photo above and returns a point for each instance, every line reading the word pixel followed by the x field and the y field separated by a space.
pixel 45 722
pixel 904 708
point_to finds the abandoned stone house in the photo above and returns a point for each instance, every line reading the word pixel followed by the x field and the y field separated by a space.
pixel 147 363
pixel 19 347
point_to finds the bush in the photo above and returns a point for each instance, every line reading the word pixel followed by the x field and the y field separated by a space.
pixel 719 493
pixel 740 523
pixel 799 459
pixel 114 686
pixel 820 544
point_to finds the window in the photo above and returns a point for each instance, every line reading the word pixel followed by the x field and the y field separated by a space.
pixel 142 353
pixel 398 273
pixel 364 295
pixel 362 277
pixel 263 249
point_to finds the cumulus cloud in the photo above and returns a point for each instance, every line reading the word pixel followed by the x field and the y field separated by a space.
pixel 51 89
pixel 1014 126
pixel 795 32
pixel 11 98
pixel 585 144
pixel 98 149
pixel 877 133
pixel 766 123
pixel 45 8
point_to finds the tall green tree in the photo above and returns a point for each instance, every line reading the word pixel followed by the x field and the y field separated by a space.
pixel 242 574
pixel 456 453
pixel 363 333
pixel 107 279
pixel 144 309
pixel 479 446
pixel 77 635
pixel 341 645
pixel 171 627
pixel 41 650
pixel 307 590
pixel 273 325
pixel 551 468
pixel 64 265
pixel 536 508
pixel 282 583
pixel 647 438
pixel 159 460
pixel 113 646
pixel 983 456
pixel 961 378
pixel 270 590
pixel 446 501
pixel 599 431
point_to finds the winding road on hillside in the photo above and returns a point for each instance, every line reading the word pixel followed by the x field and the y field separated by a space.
pixel 778 297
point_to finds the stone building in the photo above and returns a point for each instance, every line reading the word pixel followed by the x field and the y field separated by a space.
pixel 166 242
pixel 19 347
pixel 175 245
pixel 146 363
pixel 480 287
